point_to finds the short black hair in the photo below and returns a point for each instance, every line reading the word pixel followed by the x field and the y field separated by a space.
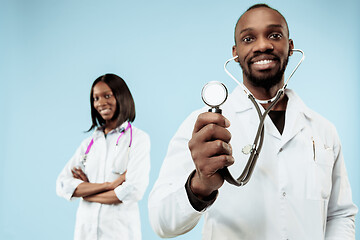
pixel 125 106
pixel 259 5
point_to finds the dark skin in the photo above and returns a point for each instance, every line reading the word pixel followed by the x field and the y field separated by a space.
pixel 262 46
pixel 105 104
pixel 262 34
pixel 97 192
pixel 210 155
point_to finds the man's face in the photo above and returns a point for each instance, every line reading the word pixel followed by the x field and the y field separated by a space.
pixel 263 47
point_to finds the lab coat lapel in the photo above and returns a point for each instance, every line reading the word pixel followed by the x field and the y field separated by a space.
pixel 270 128
pixel 240 107
pixel 241 104
pixel 294 125
pixel 296 118
pixel 238 101
pixel 101 154
pixel 243 124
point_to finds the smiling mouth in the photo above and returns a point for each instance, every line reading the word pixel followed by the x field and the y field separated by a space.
pixel 263 62
pixel 105 111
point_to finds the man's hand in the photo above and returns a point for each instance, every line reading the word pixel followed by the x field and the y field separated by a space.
pixel 211 151
pixel 79 174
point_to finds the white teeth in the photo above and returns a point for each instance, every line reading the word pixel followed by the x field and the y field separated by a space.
pixel 263 62
pixel 104 110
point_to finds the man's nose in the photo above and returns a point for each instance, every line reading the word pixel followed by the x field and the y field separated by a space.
pixel 263 45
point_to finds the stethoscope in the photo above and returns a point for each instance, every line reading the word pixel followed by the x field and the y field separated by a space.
pixel 122 131
pixel 215 94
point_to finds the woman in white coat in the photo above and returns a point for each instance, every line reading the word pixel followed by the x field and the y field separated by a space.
pixel 109 172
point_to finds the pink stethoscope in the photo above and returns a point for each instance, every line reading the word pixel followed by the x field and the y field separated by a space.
pixel 122 130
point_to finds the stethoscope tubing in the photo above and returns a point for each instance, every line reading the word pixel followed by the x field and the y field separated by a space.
pixel 247 91
pixel 259 138
pixel 83 161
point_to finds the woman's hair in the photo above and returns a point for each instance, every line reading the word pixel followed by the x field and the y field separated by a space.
pixel 125 106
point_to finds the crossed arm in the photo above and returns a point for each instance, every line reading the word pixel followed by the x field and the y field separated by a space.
pixel 96 192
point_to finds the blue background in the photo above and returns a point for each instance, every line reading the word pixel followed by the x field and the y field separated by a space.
pixel 51 51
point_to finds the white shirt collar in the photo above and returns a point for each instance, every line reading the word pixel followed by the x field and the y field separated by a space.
pixel 100 133
pixel 240 102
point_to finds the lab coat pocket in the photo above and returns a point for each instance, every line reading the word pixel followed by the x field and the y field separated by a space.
pixel 319 174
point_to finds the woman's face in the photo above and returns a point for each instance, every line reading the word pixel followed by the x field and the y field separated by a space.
pixel 104 101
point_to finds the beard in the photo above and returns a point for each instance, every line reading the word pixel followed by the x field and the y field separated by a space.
pixel 266 82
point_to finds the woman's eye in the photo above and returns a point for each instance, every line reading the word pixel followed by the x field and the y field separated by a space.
pixel 108 96
pixel 275 36
pixel 96 99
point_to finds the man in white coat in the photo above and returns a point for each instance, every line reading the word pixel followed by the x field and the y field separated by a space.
pixel 299 188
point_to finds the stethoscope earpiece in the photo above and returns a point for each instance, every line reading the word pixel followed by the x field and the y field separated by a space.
pixel 280 90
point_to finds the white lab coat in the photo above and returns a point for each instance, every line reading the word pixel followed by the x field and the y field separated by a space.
pixel 291 195
pixel 105 163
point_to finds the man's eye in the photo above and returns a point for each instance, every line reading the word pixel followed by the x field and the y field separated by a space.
pixel 275 36
pixel 247 39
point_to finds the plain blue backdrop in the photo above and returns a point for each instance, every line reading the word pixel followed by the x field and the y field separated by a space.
pixel 51 51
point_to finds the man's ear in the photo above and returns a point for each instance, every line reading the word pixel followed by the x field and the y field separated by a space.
pixel 234 53
pixel 291 47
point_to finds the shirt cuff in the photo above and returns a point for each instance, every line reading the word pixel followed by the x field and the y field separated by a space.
pixel 197 203
pixel 123 192
pixel 70 188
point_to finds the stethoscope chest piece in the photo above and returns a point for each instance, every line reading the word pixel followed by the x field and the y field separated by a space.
pixel 214 94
